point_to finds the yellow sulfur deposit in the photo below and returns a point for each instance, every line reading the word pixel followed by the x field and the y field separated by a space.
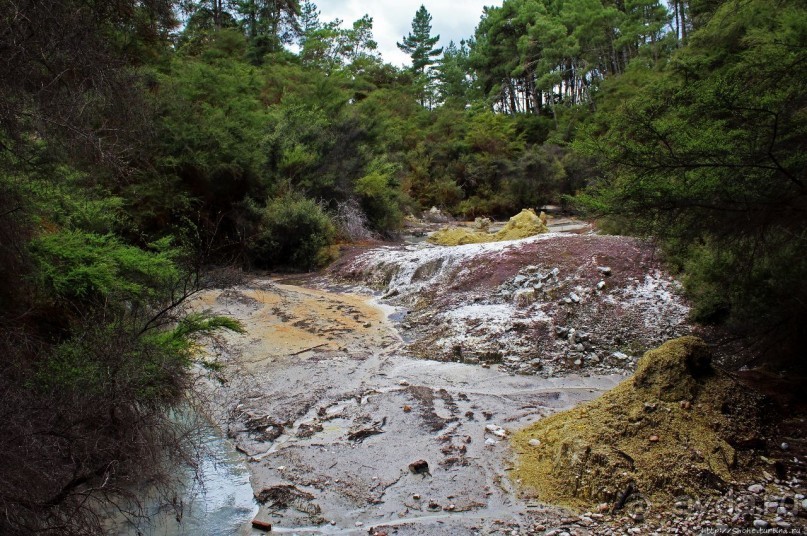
pixel 524 224
pixel 668 431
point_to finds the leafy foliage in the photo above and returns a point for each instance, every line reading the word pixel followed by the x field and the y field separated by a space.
pixel 711 158
pixel 293 231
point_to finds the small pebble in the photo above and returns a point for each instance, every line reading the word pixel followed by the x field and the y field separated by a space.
pixel 359 524
pixel 535 443
pixel 761 524
pixel 756 488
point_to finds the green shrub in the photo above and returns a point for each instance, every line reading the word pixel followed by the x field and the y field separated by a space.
pixel 76 265
pixel 379 196
pixel 293 232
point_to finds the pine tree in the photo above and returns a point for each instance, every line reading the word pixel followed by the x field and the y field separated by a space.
pixel 419 43
pixel 309 20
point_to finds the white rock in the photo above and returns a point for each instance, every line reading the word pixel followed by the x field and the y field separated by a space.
pixel 498 431
pixel 535 443
pixel 620 356
pixel 359 524
pixel 756 488
pixel 601 285
pixel 761 524
pixel 784 446
pixel 574 297
pixel 490 441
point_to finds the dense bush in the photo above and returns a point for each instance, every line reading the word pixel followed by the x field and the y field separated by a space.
pixel 709 156
pixel 293 232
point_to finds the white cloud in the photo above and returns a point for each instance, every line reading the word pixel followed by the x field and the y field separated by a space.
pixel 392 20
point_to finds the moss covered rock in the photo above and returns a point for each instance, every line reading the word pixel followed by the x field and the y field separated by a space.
pixel 670 430
pixel 524 224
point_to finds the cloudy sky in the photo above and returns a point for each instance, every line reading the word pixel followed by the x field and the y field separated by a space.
pixel 392 20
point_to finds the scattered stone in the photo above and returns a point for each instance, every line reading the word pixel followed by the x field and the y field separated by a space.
pixel 407 408
pixel 416 497
pixel 620 356
pixel 403 383
pixel 601 285
pixel 450 508
pixel 419 467
pixel 756 488
pixel 490 441
pixel 604 270
pixel 433 505
pixel 525 297
pixel 686 404
pixel 654 438
pixel 263 526
pixel 362 433
pixel 574 297
pixel 307 430
pixel 761 524
pixel 535 443
pixel 498 431
pixel 784 446
pixel 359 524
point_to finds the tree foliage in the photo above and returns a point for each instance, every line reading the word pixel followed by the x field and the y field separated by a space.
pixel 419 43
pixel 710 157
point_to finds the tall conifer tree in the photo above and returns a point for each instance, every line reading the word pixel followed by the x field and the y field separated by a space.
pixel 419 44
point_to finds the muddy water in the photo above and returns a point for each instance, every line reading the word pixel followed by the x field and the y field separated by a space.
pixel 329 414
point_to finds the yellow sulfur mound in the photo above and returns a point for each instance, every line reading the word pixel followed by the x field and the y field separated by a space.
pixel 524 224
pixel 665 432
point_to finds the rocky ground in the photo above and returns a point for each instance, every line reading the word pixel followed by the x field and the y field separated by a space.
pixel 379 397
pixel 551 304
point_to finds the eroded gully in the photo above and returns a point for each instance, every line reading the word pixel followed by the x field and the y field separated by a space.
pixel 329 413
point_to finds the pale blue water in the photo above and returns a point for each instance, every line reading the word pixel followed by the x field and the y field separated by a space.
pixel 222 506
